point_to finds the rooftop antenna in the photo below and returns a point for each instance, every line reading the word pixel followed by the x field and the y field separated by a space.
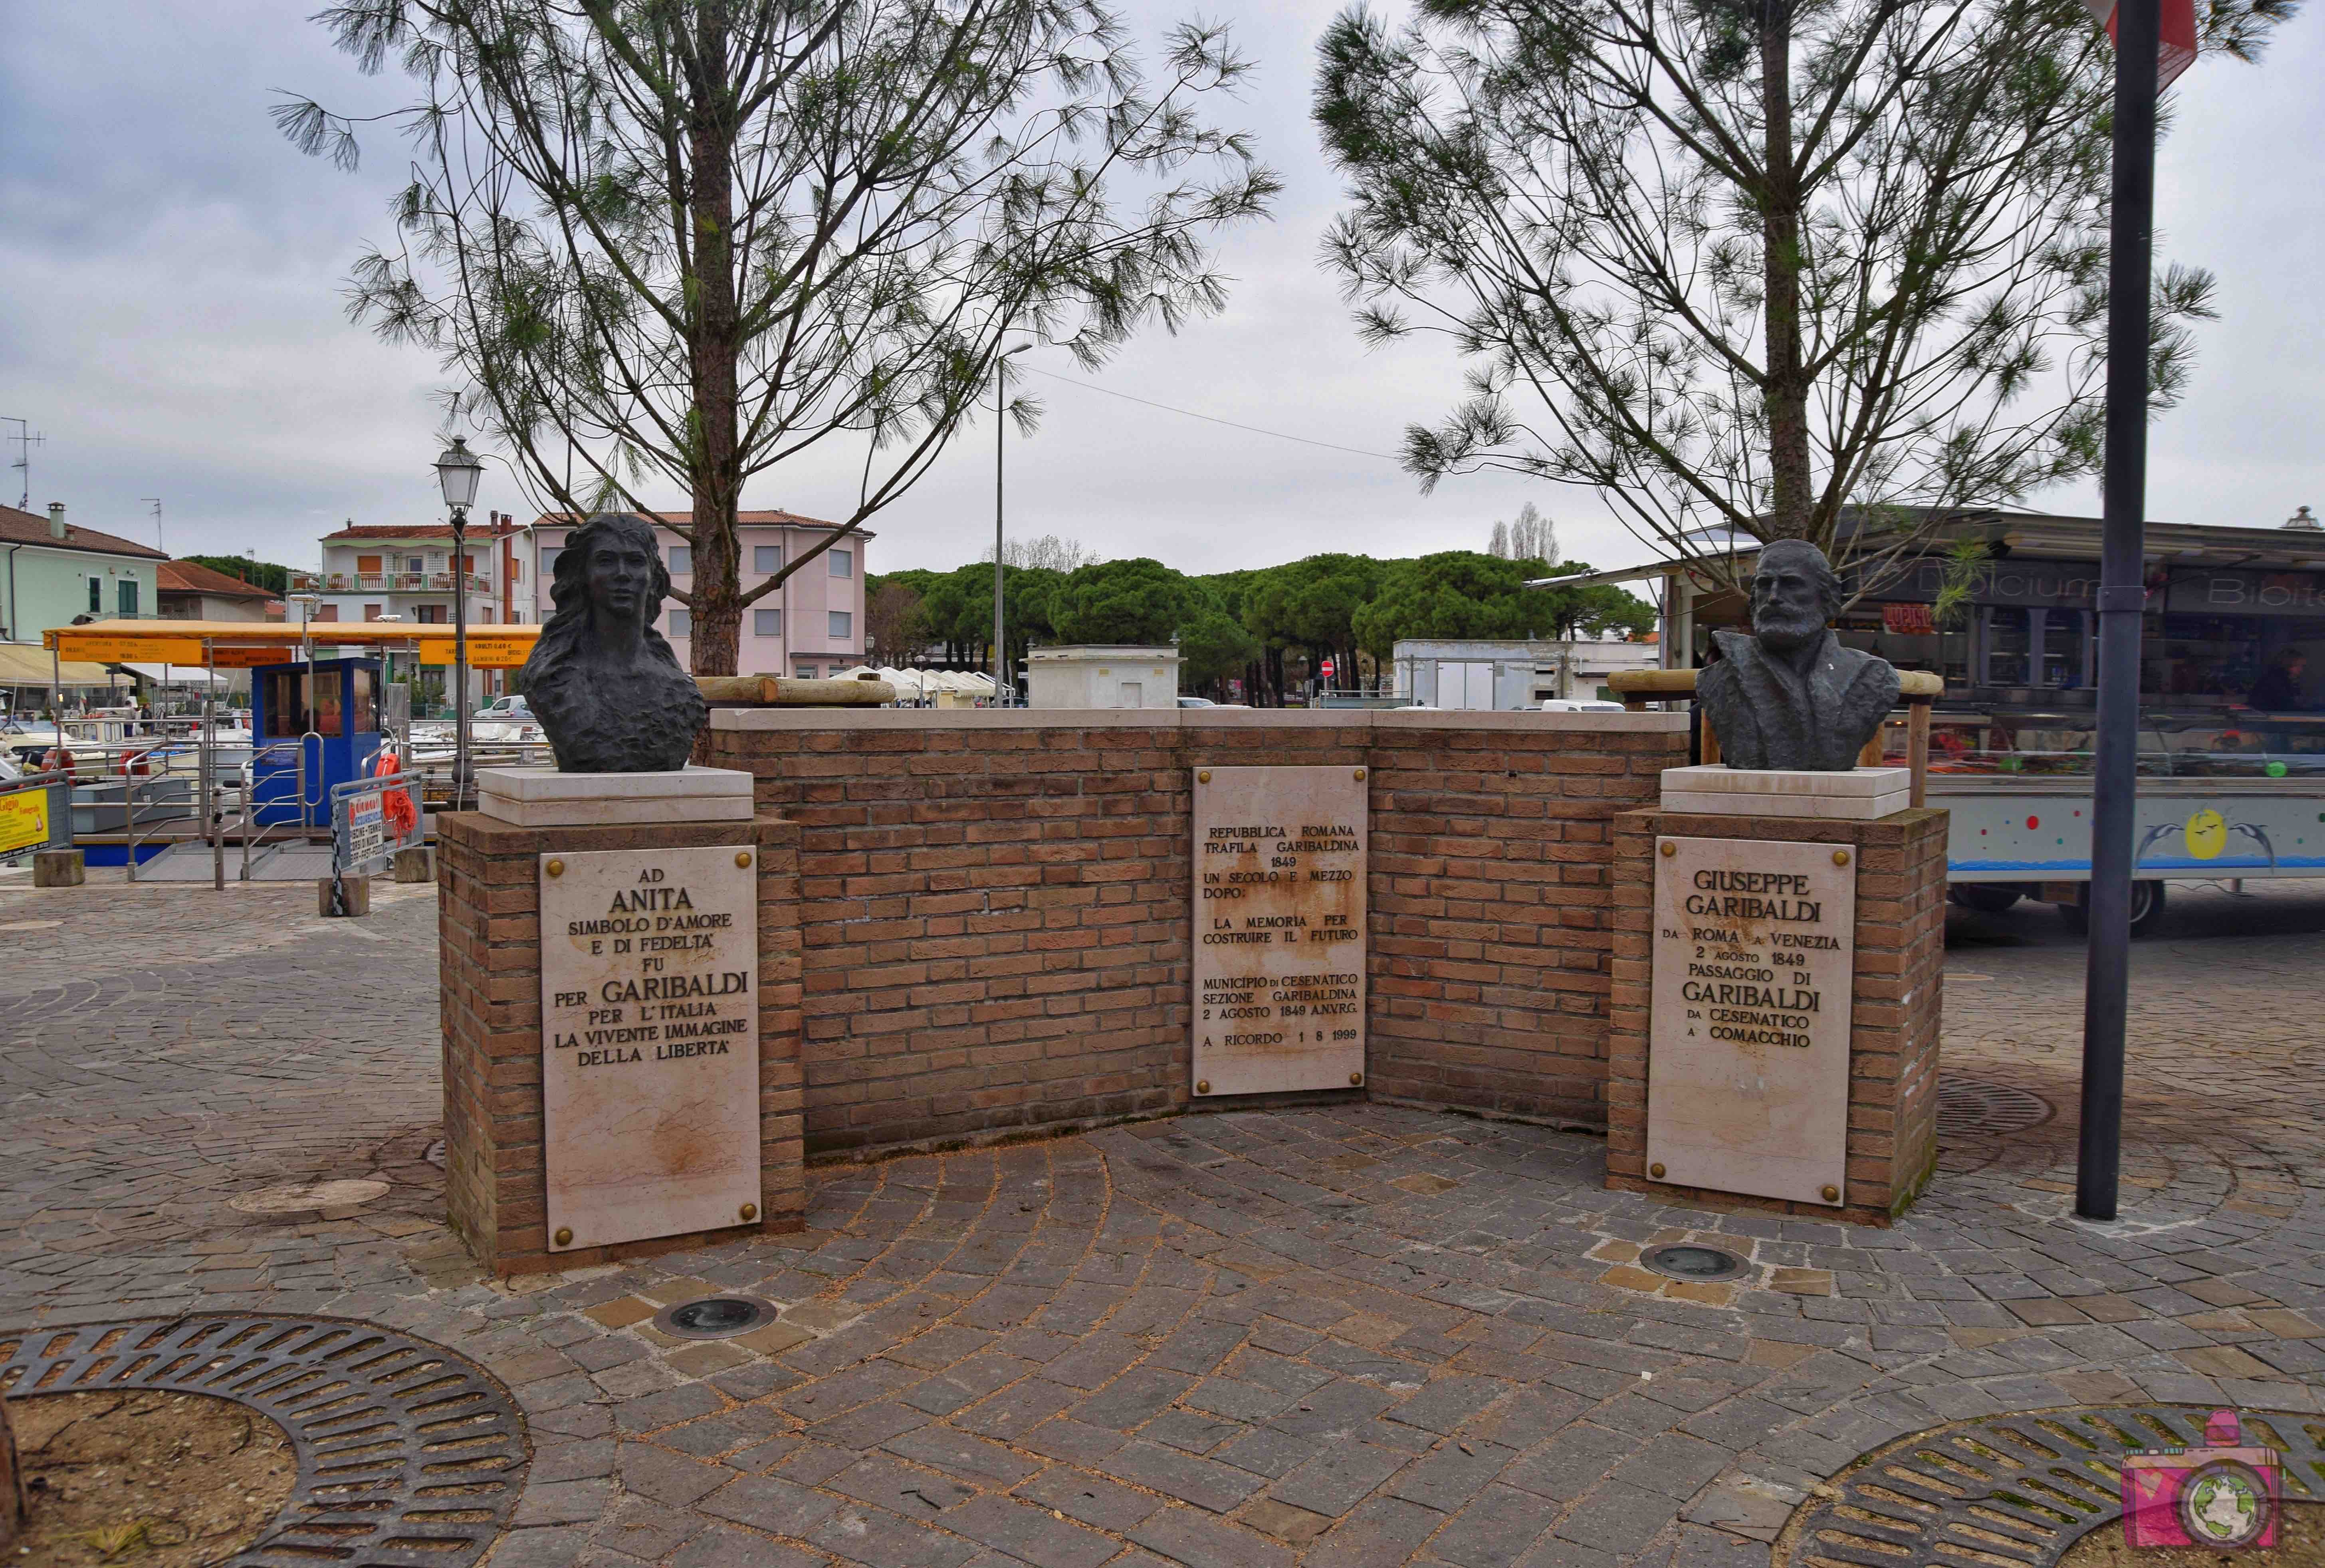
pixel 157 519
pixel 26 439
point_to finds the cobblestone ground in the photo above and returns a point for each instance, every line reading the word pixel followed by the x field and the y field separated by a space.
pixel 1334 1338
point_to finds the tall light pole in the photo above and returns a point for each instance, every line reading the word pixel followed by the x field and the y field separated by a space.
pixel 2122 601
pixel 458 470
pixel 1000 443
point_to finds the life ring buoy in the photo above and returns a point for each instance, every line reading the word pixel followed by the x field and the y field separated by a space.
pixel 395 805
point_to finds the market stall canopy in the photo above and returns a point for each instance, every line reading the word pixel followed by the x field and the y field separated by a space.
pixel 238 644
pixel 177 674
pixel 24 665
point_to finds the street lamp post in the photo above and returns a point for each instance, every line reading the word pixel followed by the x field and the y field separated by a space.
pixel 458 470
pixel 1000 441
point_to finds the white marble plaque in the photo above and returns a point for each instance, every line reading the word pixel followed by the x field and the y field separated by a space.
pixel 649 1042
pixel 1280 942
pixel 1747 1069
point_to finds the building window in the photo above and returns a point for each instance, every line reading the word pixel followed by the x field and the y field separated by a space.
pixel 805 669
pixel 125 595
pixel 766 622
pixel 370 612
pixel 484 614
pixel 681 623
pixel 767 558
pixel 549 561
pixel 327 612
pixel 434 615
pixel 681 561
pixel 843 626
pixel 96 596
pixel 415 564
pixel 843 563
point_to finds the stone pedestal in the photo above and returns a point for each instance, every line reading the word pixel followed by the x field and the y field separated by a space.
pixel 1896 971
pixel 58 868
pixel 490 873
pixel 348 894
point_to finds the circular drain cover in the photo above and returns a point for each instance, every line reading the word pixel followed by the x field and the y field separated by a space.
pixel 1972 1105
pixel 715 1317
pixel 298 1200
pixel 1688 1262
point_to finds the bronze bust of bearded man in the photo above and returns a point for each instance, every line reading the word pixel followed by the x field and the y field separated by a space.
pixel 1790 695
pixel 605 684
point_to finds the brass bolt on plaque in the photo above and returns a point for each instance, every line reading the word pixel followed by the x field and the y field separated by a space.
pixel 1355 1080
pixel 1840 857
pixel 1360 775
pixel 750 1210
pixel 1670 848
pixel 564 1236
pixel 1656 1171
pixel 1832 1194
pixel 1202 1085
pixel 555 868
pixel 744 859
pixel 1204 776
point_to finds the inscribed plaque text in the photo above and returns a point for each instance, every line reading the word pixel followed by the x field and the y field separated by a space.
pixel 649 1042
pixel 1748 1070
pixel 1279 944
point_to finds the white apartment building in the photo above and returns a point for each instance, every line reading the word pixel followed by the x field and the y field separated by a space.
pixel 811 626
pixel 404 572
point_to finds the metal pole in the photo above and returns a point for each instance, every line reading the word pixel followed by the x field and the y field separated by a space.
pixel 459 659
pixel 209 770
pixel 2121 600
pixel 1000 442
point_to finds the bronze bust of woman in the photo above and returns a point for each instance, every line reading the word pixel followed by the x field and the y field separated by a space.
pixel 605 684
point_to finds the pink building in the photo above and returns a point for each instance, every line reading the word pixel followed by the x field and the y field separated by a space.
pixel 813 625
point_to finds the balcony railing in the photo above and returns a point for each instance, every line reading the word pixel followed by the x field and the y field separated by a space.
pixel 385 583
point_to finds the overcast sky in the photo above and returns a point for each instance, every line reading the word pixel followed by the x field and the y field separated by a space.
pixel 173 273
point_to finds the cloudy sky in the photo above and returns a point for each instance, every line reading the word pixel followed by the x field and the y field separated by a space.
pixel 172 272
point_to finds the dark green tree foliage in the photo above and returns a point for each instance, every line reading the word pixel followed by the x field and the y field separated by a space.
pixel 1742 264
pixel 1463 594
pixel 1214 647
pixel 1312 605
pixel 1590 610
pixel 263 574
pixel 958 607
pixel 669 245
pixel 1134 601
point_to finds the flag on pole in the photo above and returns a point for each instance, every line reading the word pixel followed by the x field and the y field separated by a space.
pixel 2175 51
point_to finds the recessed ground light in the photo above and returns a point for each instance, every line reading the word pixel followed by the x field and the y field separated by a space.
pixel 715 1317
pixel 1693 1262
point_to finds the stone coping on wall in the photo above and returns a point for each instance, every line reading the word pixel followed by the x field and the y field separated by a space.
pixel 1390 720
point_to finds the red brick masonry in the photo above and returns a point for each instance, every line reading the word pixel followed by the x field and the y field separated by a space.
pixel 995 904
pixel 1893 1048
pixel 489 927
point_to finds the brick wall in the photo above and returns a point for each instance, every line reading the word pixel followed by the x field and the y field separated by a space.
pixel 995 906
pixel 488 923
pixel 1896 997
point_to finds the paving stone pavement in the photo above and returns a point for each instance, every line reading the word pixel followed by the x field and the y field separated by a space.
pixel 1333 1338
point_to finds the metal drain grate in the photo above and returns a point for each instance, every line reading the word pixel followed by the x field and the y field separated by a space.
pixel 2018 1490
pixel 407 1452
pixel 1969 1107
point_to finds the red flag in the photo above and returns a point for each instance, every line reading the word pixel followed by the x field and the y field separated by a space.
pixel 2176 49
